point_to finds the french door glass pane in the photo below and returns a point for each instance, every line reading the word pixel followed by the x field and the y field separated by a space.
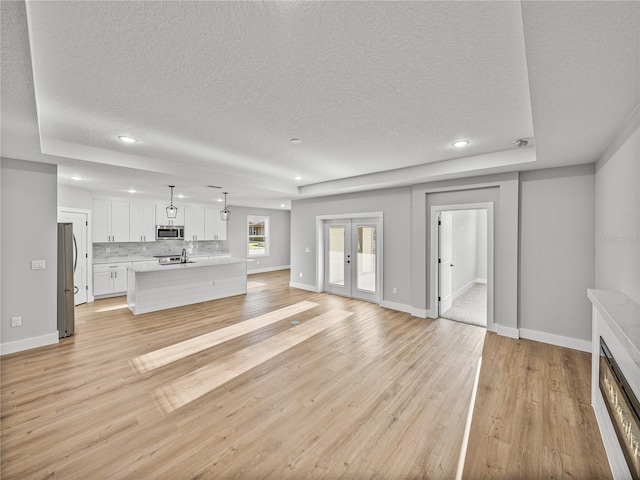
pixel 366 258
pixel 336 255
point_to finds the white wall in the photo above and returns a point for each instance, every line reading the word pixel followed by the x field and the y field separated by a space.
pixel 617 230
pixel 465 249
pixel 279 231
pixel 29 232
pixel 557 251
pixel 481 268
pixel 71 197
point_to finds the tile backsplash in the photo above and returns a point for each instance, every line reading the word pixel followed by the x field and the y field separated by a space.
pixel 149 249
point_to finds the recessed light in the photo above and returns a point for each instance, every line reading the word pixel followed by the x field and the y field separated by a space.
pixel 282 205
pixel 298 177
pixel 180 196
pixel 220 200
pixel 295 140
pixel 126 139
pixel 521 142
pixel 132 191
pixel 460 143
pixel 76 178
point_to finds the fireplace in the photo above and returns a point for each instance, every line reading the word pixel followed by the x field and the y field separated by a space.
pixel 623 408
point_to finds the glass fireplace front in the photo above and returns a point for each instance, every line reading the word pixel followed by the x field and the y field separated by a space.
pixel 623 407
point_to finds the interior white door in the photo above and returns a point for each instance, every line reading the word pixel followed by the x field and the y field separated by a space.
pixel 80 260
pixel 351 258
pixel 445 267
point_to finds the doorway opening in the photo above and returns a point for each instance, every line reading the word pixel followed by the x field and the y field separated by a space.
pixel 464 263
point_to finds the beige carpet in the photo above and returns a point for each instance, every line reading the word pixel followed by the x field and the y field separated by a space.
pixel 470 307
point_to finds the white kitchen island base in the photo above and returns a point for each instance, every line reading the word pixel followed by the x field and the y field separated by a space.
pixel 158 287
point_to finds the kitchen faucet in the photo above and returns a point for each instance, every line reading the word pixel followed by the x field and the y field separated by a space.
pixel 183 257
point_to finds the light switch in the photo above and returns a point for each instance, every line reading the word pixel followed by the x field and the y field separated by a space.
pixel 38 265
pixel 307 249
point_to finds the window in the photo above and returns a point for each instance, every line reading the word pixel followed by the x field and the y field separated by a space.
pixel 258 235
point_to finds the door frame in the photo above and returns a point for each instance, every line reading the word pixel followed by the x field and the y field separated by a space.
pixel 320 221
pixel 89 247
pixel 432 292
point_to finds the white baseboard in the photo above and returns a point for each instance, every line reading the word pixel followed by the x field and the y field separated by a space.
pixel 303 286
pixel 400 307
pixel 481 280
pixel 267 269
pixel 420 313
pixel 29 343
pixel 558 340
pixel 508 332
pixel 466 287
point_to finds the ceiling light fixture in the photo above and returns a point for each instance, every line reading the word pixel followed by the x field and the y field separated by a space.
pixel 460 143
pixel 521 142
pixel 225 214
pixel 132 191
pixel 298 178
pixel 282 205
pixel 180 196
pixel 77 178
pixel 295 141
pixel 172 212
pixel 126 139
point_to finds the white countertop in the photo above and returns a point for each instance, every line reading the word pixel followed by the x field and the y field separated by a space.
pixel 139 258
pixel 623 317
pixel 197 263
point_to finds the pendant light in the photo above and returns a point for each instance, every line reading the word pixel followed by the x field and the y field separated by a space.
pixel 225 214
pixel 172 212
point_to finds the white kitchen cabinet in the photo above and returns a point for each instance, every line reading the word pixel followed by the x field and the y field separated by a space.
pixel 215 228
pixel 110 221
pixel 142 222
pixel 161 215
pixel 110 279
pixel 194 223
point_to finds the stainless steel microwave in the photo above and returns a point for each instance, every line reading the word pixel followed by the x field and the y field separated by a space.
pixel 169 232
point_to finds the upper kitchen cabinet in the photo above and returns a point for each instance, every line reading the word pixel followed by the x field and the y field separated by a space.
pixel 194 223
pixel 110 221
pixel 161 215
pixel 215 227
pixel 142 222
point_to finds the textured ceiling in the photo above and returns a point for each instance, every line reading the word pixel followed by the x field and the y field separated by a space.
pixel 376 91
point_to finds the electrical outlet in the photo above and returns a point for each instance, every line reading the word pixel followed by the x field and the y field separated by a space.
pixel 300 274
pixel 257 262
pixel 395 290
pixel 307 249
pixel 38 265
pixel 144 249
pixel 16 321
pixel 108 249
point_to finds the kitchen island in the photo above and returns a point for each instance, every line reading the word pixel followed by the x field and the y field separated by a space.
pixel 153 287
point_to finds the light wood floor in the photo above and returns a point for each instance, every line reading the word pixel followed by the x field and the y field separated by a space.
pixel 374 394
pixel 533 417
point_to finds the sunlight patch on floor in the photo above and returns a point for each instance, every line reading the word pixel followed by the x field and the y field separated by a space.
pixel 165 356
pixel 206 379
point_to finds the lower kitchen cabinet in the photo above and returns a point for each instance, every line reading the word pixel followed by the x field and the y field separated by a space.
pixel 110 279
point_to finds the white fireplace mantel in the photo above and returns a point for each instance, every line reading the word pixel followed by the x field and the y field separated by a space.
pixel 616 319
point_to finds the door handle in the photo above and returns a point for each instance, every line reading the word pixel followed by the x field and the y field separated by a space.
pixel 452 265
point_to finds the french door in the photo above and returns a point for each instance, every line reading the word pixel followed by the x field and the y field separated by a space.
pixel 351 258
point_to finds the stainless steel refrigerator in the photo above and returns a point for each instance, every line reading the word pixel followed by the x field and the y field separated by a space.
pixel 66 264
